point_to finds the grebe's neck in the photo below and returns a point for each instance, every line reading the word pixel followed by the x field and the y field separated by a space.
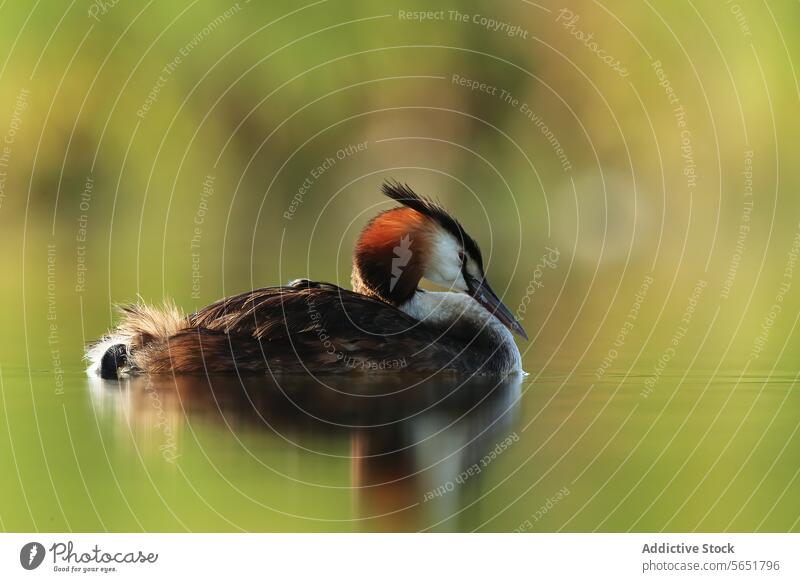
pixel 462 319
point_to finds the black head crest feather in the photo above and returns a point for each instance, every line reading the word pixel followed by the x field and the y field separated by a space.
pixel 403 194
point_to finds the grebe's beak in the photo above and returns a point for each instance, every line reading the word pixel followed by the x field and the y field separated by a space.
pixel 483 294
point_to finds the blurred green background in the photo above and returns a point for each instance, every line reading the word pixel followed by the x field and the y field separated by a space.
pixel 197 149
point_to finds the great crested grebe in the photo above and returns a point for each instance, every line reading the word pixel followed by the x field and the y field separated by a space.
pixel 385 323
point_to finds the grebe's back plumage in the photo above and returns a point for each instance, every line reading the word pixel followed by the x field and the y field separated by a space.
pixel 385 323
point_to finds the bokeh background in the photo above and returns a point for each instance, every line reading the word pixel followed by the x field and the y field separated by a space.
pixel 192 150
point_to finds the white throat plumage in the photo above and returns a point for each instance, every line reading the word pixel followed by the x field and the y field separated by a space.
pixel 442 309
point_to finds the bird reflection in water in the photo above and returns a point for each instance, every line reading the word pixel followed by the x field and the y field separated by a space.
pixel 419 446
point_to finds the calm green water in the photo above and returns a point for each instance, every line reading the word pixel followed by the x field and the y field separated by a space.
pixel 398 453
pixel 668 194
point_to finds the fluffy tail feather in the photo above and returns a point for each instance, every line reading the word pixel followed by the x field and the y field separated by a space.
pixel 142 330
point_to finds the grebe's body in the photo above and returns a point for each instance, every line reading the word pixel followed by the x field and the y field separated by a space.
pixel 385 323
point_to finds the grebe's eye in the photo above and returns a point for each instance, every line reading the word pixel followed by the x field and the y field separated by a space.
pixel 462 258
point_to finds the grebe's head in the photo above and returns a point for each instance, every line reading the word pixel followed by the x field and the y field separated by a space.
pixel 421 240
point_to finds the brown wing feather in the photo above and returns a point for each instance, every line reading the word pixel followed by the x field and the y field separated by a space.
pixel 307 325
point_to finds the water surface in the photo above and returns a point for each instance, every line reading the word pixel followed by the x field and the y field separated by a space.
pixel 398 452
